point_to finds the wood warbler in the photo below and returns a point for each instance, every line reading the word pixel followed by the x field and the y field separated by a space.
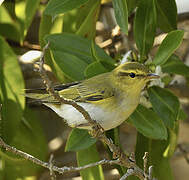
pixel 109 98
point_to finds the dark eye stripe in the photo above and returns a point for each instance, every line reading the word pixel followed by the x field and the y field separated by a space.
pixel 128 74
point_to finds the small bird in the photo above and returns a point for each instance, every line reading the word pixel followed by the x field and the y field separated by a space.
pixel 109 98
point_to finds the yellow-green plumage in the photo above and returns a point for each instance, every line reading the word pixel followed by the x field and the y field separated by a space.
pixel 109 98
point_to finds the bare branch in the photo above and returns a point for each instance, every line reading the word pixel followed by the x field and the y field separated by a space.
pixel 22 154
pixel 52 174
pixel 129 172
pixel 150 169
pixel 49 165
pixel 145 159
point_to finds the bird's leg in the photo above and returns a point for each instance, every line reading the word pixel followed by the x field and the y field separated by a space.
pixel 83 126
pixel 97 129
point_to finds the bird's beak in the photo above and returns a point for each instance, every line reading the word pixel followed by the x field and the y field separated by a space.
pixel 152 76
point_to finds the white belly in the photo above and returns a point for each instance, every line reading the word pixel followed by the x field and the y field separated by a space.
pixel 107 119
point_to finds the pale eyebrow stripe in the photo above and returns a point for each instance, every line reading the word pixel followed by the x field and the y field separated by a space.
pixel 123 74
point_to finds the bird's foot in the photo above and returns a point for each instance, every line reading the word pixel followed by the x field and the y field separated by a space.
pixel 97 130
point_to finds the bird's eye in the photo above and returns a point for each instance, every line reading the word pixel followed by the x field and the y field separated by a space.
pixel 132 75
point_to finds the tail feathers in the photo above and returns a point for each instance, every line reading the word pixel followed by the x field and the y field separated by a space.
pixel 37 96
pixel 56 88
pixel 41 94
pixel 36 90
pixel 43 98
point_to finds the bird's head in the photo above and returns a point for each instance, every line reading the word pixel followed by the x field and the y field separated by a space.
pixel 132 75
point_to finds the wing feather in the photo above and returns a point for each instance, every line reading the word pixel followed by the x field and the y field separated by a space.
pixel 92 90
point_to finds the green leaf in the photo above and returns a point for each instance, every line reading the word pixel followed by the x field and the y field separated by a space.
pixel 131 5
pixel 171 42
pixel 78 140
pixel 148 123
pixel 175 66
pixel 145 26
pixel 55 7
pixel 161 162
pixel 8 27
pixel 10 31
pixel 115 136
pixel 94 69
pixel 72 54
pixel 75 45
pixel 71 20
pixel 142 146
pixel 25 11
pixel 121 14
pixel 108 62
pixel 5 14
pixel 17 18
pixel 87 156
pixel 31 8
pixel 47 26
pixel 10 6
pixel 71 65
pixel 99 66
pixel 93 52
pixel 83 19
pixel 182 115
pixel 32 132
pixel 160 152
pixel 166 15
pixel 156 149
pixel 173 136
pixel 11 86
pixel 165 104
pixel 87 27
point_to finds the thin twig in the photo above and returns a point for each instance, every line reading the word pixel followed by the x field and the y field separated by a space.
pixel 129 172
pixel 50 166
pixel 150 170
pixel 52 174
pixel 145 159
pixel 132 157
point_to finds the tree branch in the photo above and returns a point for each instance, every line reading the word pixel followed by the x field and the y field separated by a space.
pixel 49 165
pixel 129 172
pixel 52 174
pixel 145 159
